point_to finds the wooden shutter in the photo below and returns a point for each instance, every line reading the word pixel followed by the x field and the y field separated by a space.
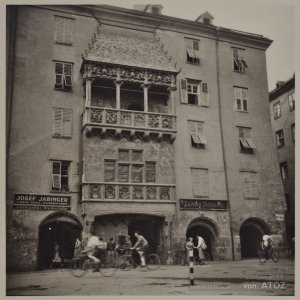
pixel 69 31
pixel 75 171
pixel 150 171
pixel 183 86
pixel 67 123
pixel 57 121
pixel 204 94
pixel 59 29
pixel 58 75
pixel 68 75
pixel 56 174
pixel 247 187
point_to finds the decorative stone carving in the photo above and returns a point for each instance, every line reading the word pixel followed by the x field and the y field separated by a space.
pixel 95 191
pixel 124 192
pixel 139 120
pixel 153 121
pixel 151 193
pixel 164 193
pixel 138 192
pixel 96 116
pixel 111 117
pixel 125 118
pixel 167 122
pixel 110 192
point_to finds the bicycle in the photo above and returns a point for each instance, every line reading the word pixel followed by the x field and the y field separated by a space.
pixel 264 255
pixel 82 264
pixel 207 258
pixel 126 262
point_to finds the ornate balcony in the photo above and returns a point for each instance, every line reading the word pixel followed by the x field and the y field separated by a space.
pixel 128 120
pixel 128 192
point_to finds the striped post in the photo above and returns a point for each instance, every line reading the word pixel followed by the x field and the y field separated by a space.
pixel 191 266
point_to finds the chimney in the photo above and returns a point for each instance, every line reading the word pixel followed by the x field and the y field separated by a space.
pixel 150 8
pixel 279 83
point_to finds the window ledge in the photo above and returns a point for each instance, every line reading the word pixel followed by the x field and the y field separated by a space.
pixel 64 44
pixel 280 146
pixel 251 198
pixel 60 192
pixel 242 111
pixel 245 152
pixel 63 90
pixel 62 137
pixel 193 63
pixel 277 117
pixel 197 105
pixel 240 72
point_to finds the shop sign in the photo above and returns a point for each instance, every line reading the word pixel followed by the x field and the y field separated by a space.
pixel 279 217
pixel 42 202
pixel 196 204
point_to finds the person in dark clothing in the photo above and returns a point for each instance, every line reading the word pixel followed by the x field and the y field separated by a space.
pixel 111 245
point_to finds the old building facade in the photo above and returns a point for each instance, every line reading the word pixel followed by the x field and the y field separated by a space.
pixel 282 108
pixel 124 120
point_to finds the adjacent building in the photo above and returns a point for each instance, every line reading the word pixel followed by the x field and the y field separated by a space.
pixel 282 108
pixel 122 120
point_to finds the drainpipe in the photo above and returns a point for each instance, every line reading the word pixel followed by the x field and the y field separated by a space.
pixel 222 143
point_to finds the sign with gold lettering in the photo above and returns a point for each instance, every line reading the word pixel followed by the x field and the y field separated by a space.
pixel 196 204
pixel 41 202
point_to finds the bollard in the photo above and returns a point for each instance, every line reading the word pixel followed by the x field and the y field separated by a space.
pixel 191 266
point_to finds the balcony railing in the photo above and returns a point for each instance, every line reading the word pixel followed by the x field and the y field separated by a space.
pixel 110 117
pixel 128 191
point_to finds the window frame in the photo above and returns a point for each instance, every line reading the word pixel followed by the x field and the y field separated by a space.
pixel 279 139
pixel 254 195
pixel 197 94
pixel 291 100
pixel 66 31
pixel 277 110
pixel 192 51
pixel 203 195
pixel 243 98
pixel 293 132
pixel 283 166
pixel 238 60
pixel 60 176
pixel 246 143
pixel 63 111
pixel 63 86
pixel 198 138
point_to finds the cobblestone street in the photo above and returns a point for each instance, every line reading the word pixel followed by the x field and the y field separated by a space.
pixel 219 278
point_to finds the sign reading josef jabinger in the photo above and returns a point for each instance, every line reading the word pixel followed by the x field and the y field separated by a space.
pixel 196 204
pixel 40 200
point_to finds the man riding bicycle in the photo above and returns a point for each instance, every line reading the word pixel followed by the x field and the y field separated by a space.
pixel 141 246
pixel 267 245
pixel 95 250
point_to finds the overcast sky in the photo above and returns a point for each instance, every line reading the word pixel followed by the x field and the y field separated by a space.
pixel 273 19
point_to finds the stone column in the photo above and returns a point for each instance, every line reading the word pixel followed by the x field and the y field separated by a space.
pixel 145 86
pixel 168 233
pixel 88 92
pixel 172 90
pixel 118 84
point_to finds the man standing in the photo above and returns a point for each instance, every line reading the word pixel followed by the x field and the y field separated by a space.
pixel 111 245
pixel 141 246
pixel 201 247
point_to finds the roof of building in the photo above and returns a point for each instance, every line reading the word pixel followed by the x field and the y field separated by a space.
pixel 129 48
pixel 283 88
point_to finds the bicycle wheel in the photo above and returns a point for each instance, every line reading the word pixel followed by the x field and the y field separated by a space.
pixel 262 256
pixel 124 263
pixel 275 255
pixel 108 269
pixel 152 261
pixel 79 267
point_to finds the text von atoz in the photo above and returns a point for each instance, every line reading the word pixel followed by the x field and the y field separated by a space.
pixel 196 204
pixel 41 202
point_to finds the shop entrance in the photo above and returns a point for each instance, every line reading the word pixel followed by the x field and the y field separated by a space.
pixel 251 233
pixel 60 228
pixel 207 230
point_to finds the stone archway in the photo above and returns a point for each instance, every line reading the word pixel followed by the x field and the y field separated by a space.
pixel 251 233
pixel 62 228
pixel 208 230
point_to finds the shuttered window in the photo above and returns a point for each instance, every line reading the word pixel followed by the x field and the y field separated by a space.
pixel 250 185
pixel 194 92
pixel 192 51
pixel 241 98
pixel 60 175
pixel 63 76
pixel 239 62
pixel 198 138
pixel 246 143
pixel 64 32
pixel 62 122
pixel 200 182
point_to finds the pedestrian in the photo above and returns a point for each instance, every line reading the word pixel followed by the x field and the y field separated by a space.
pixel 56 259
pixel 201 246
pixel 111 245
pixel 189 246
pixel 141 247
pixel 77 248
pixel 94 251
pixel 121 248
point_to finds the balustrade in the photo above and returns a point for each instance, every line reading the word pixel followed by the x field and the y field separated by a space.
pixel 129 119
pixel 128 191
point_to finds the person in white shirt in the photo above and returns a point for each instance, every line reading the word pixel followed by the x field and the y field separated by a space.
pixel 267 244
pixel 93 246
pixel 201 246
